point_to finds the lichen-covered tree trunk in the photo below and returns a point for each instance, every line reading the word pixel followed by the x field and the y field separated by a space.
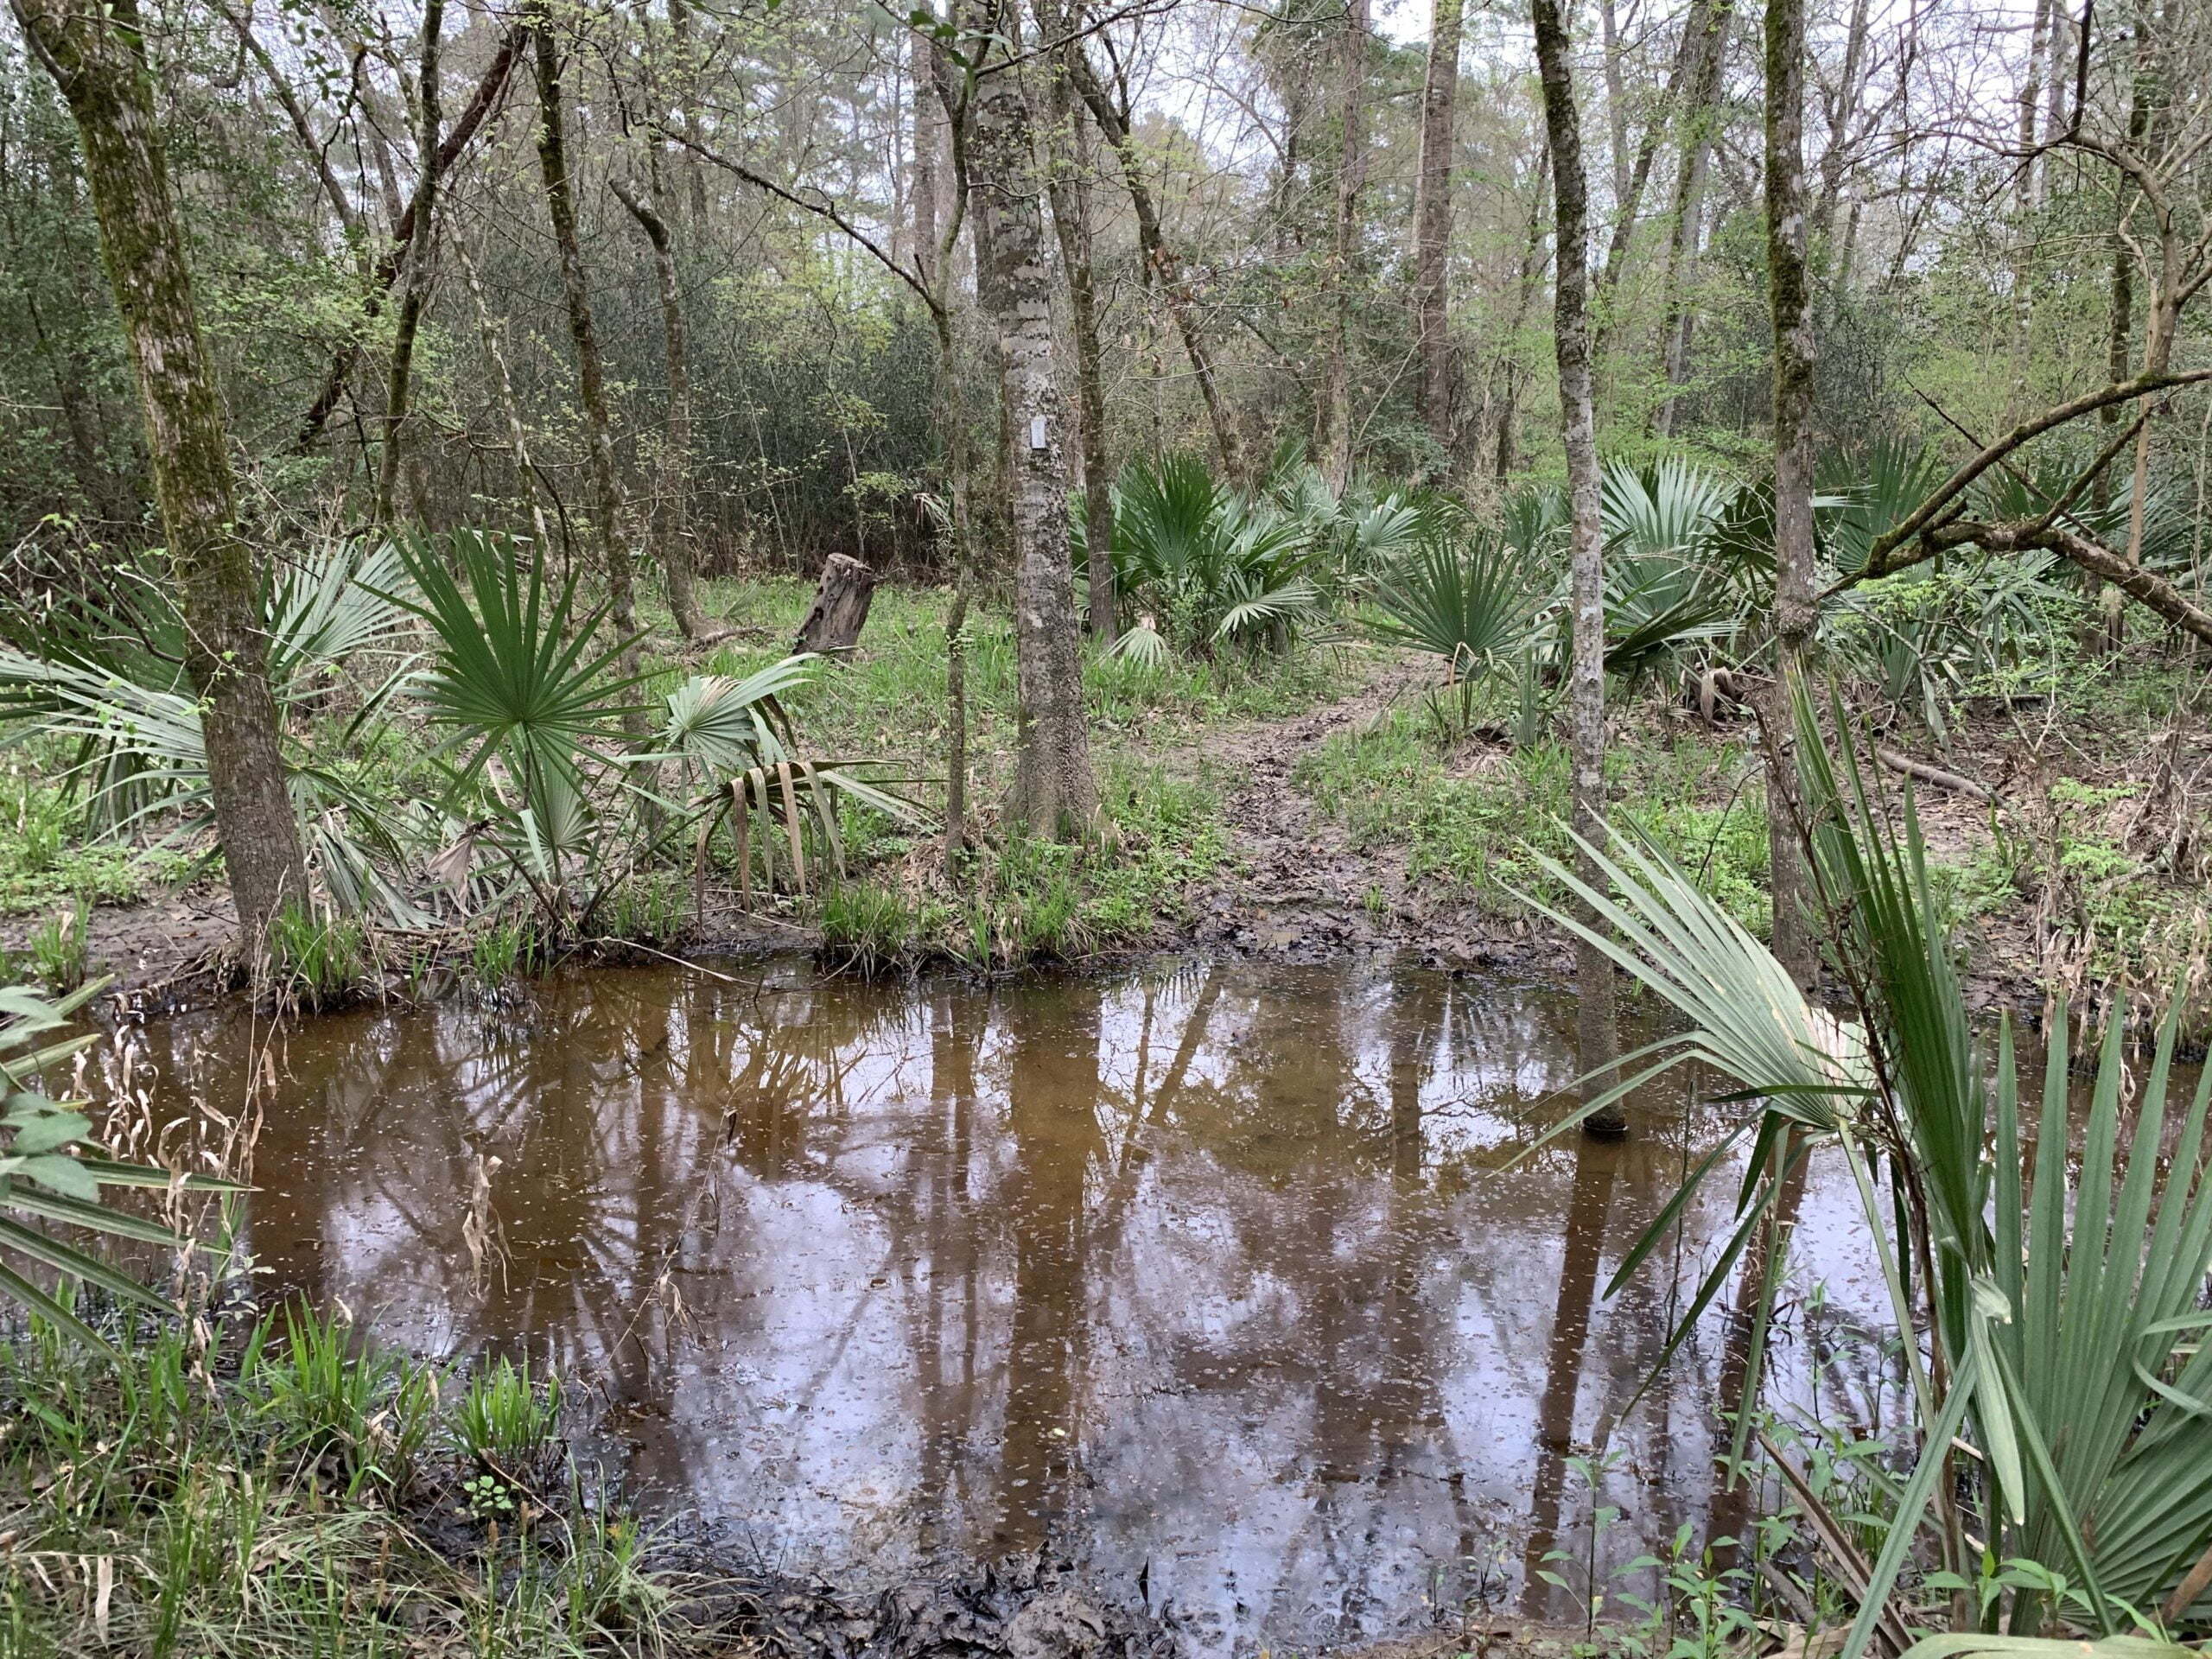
pixel 591 373
pixel 1790 295
pixel 1336 433
pixel 1596 1029
pixel 1054 792
pixel 1705 34
pixel 1433 217
pixel 1071 197
pixel 96 54
pixel 673 519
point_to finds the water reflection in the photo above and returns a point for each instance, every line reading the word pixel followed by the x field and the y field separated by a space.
pixel 1205 1276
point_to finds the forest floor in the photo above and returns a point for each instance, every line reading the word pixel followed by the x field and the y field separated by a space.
pixel 1325 804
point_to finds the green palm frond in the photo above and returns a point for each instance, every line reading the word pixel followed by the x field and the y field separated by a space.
pixel 1472 601
pixel 720 724
pixel 51 1170
pixel 515 672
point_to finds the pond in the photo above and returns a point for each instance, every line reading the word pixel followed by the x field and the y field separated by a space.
pixel 1211 1277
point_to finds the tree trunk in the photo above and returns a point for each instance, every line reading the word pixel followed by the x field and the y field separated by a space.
pixel 674 518
pixel 1336 434
pixel 1070 197
pixel 833 625
pixel 1054 792
pixel 1433 219
pixel 2111 609
pixel 1533 260
pixel 591 374
pixel 423 209
pixel 1596 1029
pixel 97 56
pixel 1795 613
pixel 1160 258
pixel 1705 32
pixel 2025 199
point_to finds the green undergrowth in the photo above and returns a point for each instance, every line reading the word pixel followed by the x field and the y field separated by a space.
pixel 1025 900
pixel 889 701
pixel 49 861
pixel 293 1490
pixel 1481 821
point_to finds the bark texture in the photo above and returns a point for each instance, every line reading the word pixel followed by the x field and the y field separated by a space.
pixel 1071 197
pixel 1796 616
pixel 1705 37
pixel 1336 434
pixel 834 622
pixel 1596 1029
pixel 1054 792
pixel 97 55
pixel 1439 101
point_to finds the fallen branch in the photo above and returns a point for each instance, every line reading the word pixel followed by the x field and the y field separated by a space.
pixel 1927 773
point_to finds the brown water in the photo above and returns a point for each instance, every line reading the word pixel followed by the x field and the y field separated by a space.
pixel 1207 1277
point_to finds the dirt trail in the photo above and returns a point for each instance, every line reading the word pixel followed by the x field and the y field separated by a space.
pixel 1299 891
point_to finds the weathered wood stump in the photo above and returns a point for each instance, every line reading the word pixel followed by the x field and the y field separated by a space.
pixel 833 627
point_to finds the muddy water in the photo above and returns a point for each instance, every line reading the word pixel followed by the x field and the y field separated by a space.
pixel 1208 1276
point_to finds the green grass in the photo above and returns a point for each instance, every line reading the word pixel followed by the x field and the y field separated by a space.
pixel 277 1498
pixel 46 862
pixel 1037 900
pixel 1479 829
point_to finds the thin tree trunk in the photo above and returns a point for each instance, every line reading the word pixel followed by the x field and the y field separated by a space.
pixel 1524 297
pixel 502 386
pixel 1795 616
pixel 1705 31
pixel 673 520
pixel 1054 793
pixel 95 51
pixel 1433 217
pixel 2024 198
pixel 1596 1028
pixel 1609 45
pixel 591 374
pixel 423 209
pixel 1174 283
pixel 928 153
pixel 1336 434
pixel 2112 607
pixel 488 92
pixel 1070 197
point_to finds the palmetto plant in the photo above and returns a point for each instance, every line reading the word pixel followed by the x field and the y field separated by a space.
pixel 1471 598
pixel 1211 569
pixel 50 1171
pixel 105 676
pixel 2059 1299
pixel 553 794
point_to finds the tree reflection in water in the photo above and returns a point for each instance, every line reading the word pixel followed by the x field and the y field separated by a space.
pixel 1208 1271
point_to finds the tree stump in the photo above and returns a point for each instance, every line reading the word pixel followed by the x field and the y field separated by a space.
pixel 833 627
